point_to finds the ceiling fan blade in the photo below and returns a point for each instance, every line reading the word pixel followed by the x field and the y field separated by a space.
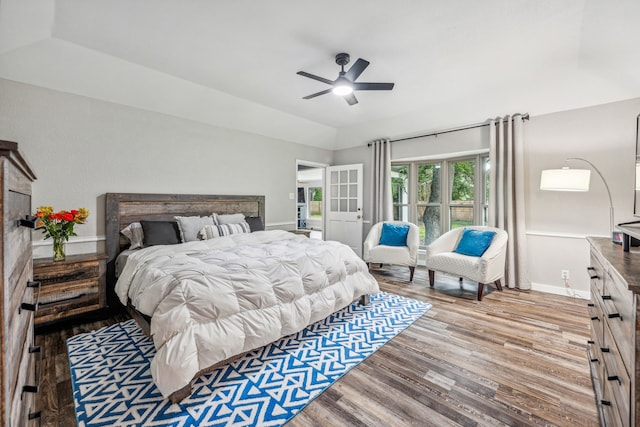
pixel 351 99
pixel 356 69
pixel 373 86
pixel 314 77
pixel 313 95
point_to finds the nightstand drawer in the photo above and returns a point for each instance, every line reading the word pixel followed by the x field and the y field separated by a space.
pixel 68 299
pixel 71 287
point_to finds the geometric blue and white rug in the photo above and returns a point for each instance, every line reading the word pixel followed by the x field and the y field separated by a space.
pixel 112 383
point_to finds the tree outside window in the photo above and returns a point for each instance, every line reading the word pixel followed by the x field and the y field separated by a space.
pixel 315 202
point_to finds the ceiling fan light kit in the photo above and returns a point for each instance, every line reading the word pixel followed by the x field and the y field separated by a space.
pixel 345 84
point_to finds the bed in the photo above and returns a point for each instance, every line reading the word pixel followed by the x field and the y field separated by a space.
pixel 206 303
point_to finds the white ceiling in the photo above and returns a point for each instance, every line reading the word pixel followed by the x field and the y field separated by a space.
pixel 234 63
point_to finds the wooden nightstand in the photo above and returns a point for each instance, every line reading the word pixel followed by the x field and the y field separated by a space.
pixel 71 287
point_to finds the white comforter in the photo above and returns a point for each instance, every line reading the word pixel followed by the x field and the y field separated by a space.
pixel 210 300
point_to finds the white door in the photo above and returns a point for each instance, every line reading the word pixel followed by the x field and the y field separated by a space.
pixel 344 205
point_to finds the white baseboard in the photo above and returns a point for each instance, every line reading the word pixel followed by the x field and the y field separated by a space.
pixel 557 290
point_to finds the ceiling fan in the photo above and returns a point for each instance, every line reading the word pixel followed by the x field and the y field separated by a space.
pixel 346 83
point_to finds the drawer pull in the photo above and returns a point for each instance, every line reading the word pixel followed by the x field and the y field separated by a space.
pixel 595 318
pixel 591 304
pixel 591 342
pixel 614 378
pixel 614 315
pixel 33 388
pixel 605 402
pixel 594 360
pixel 591 269
pixel 604 349
pixel 31 307
pixel 606 297
pixel 34 415
pixel 28 221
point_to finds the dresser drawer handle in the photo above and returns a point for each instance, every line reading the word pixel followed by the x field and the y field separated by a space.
pixel 614 378
pixel 34 415
pixel 614 315
pixel 591 269
pixel 606 297
pixel 595 318
pixel 605 402
pixel 31 307
pixel 33 388
pixel 604 349
pixel 594 360
pixel 28 221
pixel 591 342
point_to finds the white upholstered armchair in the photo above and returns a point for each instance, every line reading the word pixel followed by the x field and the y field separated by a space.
pixel 375 253
pixel 487 268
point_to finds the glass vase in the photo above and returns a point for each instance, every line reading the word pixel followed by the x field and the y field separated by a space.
pixel 58 249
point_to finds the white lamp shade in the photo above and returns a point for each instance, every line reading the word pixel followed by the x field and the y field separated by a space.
pixel 565 179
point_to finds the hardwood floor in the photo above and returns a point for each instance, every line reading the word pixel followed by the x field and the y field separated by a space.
pixel 514 359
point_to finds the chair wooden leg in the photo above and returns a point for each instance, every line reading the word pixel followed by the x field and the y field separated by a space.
pixel 480 291
pixel 431 277
pixel 411 271
pixel 498 284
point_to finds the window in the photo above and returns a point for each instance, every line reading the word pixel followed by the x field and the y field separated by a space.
pixel 441 195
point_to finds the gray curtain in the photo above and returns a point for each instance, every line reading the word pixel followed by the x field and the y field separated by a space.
pixel 506 194
pixel 382 205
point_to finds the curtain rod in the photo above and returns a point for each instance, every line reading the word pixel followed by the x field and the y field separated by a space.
pixel 478 125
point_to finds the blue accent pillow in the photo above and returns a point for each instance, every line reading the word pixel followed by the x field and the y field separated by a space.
pixel 474 242
pixel 394 234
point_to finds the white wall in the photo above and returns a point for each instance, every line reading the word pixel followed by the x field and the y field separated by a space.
pixel 82 148
pixel 557 223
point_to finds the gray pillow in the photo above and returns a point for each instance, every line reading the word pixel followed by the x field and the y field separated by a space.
pixel 133 232
pixel 236 218
pixel 190 226
pixel 255 223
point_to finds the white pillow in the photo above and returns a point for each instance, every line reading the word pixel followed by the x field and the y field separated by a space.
pixel 213 231
pixel 236 218
pixel 190 226
pixel 134 233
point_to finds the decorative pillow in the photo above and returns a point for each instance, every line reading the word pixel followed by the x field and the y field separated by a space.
pixel 189 226
pixel 213 231
pixel 474 242
pixel 394 234
pixel 134 233
pixel 160 233
pixel 236 218
pixel 255 223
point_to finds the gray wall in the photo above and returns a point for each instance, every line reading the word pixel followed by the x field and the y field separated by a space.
pixel 557 222
pixel 81 148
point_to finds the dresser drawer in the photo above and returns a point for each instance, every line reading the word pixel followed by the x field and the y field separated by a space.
pixel 610 411
pixel 596 275
pixel 597 322
pixel 68 299
pixel 55 273
pixel 616 378
pixel 620 316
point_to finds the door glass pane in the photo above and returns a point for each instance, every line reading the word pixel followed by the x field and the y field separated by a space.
pixel 353 190
pixel 343 205
pixel 343 191
pixel 334 205
pixel 429 183
pixel 353 205
pixel 429 223
pixel 353 175
pixel 334 177
pixel 343 177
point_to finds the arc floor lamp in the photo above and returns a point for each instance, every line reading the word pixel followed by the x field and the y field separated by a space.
pixel 567 179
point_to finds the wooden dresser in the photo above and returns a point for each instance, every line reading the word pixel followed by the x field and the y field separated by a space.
pixel 71 287
pixel 20 367
pixel 614 348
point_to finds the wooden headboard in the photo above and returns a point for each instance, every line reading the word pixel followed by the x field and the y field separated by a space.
pixel 125 208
